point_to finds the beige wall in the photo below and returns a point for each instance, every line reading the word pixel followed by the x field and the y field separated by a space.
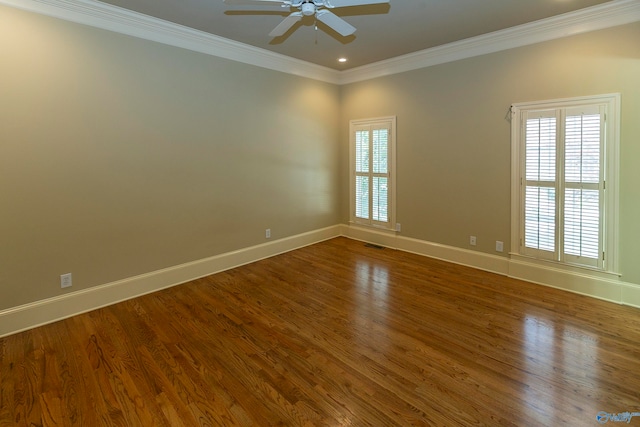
pixel 120 156
pixel 453 154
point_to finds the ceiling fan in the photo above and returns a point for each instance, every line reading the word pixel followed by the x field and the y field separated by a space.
pixel 319 8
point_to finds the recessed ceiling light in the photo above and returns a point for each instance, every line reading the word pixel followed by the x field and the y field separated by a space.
pixel 342 59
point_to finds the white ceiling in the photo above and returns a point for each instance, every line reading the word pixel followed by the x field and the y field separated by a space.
pixel 383 31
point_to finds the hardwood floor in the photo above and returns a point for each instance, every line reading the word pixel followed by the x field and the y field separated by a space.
pixel 335 334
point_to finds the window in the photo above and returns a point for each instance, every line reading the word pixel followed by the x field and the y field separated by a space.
pixel 564 194
pixel 372 171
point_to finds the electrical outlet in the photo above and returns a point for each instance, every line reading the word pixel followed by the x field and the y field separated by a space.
pixel 65 280
pixel 398 226
pixel 472 240
pixel 499 246
pixel 267 233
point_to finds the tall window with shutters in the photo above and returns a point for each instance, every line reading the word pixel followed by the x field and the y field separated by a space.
pixel 565 162
pixel 372 171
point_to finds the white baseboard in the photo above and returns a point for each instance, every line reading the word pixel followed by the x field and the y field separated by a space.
pixel 17 319
pixel 606 288
pixel 391 239
pixel 630 294
pixel 580 283
pixel 38 313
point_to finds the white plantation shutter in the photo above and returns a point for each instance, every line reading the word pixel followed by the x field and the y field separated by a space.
pixel 372 157
pixel 540 218
pixel 540 188
pixel 563 183
pixel 582 224
pixel 583 180
pixel 380 175
pixel 362 173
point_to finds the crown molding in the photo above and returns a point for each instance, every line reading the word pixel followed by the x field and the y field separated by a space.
pixel 112 18
pixel 611 14
pixel 120 20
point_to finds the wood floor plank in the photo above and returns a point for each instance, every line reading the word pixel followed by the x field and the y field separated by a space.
pixel 336 333
pixel 12 355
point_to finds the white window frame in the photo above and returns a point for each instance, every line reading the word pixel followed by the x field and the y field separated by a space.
pixel 388 122
pixel 610 103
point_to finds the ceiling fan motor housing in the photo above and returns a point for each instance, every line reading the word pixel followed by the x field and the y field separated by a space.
pixel 308 9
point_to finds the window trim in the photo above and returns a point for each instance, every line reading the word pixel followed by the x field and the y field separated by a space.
pixel 611 178
pixel 387 121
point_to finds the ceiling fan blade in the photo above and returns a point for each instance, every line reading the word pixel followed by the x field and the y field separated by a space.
pixel 286 24
pixel 259 2
pixel 335 22
pixel 346 3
